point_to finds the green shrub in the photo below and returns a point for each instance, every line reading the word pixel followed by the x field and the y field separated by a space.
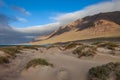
pixel 70 45
pixel 118 75
pixel 103 72
pixel 27 47
pixel 85 50
pixel 96 43
pixel 38 61
pixel 108 45
pixel 50 46
pixel 3 60
pixel 12 51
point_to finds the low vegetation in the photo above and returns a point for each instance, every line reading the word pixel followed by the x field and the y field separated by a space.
pixel 27 47
pixel 39 61
pixel 71 45
pixel 50 46
pixel 85 50
pixel 3 60
pixel 105 72
pixel 108 45
pixel 11 51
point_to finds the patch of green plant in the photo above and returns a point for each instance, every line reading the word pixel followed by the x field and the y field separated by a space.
pixel 103 72
pixel 96 43
pixel 108 45
pixel 3 60
pixel 12 51
pixel 118 75
pixel 51 46
pixel 27 47
pixel 71 45
pixel 85 50
pixel 39 61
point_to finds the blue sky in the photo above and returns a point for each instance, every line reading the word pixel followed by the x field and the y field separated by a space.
pixel 40 11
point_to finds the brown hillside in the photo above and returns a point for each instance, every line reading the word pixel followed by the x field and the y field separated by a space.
pixel 99 25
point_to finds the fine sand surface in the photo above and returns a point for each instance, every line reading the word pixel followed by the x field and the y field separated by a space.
pixel 66 66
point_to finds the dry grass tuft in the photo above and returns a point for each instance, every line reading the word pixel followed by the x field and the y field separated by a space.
pixel 104 72
pixel 85 50
pixel 39 61
pixel 3 60
pixel 108 45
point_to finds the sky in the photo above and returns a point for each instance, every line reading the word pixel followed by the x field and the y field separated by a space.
pixel 38 12
pixel 22 21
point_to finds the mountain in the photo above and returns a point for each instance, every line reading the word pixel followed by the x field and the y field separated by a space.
pixel 96 26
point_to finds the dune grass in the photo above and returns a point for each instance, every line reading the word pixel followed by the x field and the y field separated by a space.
pixel 107 44
pixel 50 46
pixel 39 61
pixel 27 47
pixel 85 50
pixel 104 72
pixel 3 60
pixel 12 51
pixel 70 45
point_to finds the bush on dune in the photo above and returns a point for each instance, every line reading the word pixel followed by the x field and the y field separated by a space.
pixel 12 51
pixel 85 50
pixel 104 72
pixel 3 60
pixel 39 61
pixel 50 46
pixel 107 44
pixel 27 47
pixel 71 45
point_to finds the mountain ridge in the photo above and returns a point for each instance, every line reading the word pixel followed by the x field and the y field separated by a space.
pixel 99 24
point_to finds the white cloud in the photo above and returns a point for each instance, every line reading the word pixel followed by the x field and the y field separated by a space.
pixel 40 29
pixel 22 19
pixel 31 37
pixel 21 10
pixel 108 6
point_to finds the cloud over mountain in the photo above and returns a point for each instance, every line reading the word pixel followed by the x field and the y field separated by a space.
pixel 107 6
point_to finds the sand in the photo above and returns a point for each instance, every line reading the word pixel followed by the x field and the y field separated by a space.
pixel 66 67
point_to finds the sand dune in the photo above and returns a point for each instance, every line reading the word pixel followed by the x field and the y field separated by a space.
pixel 66 67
